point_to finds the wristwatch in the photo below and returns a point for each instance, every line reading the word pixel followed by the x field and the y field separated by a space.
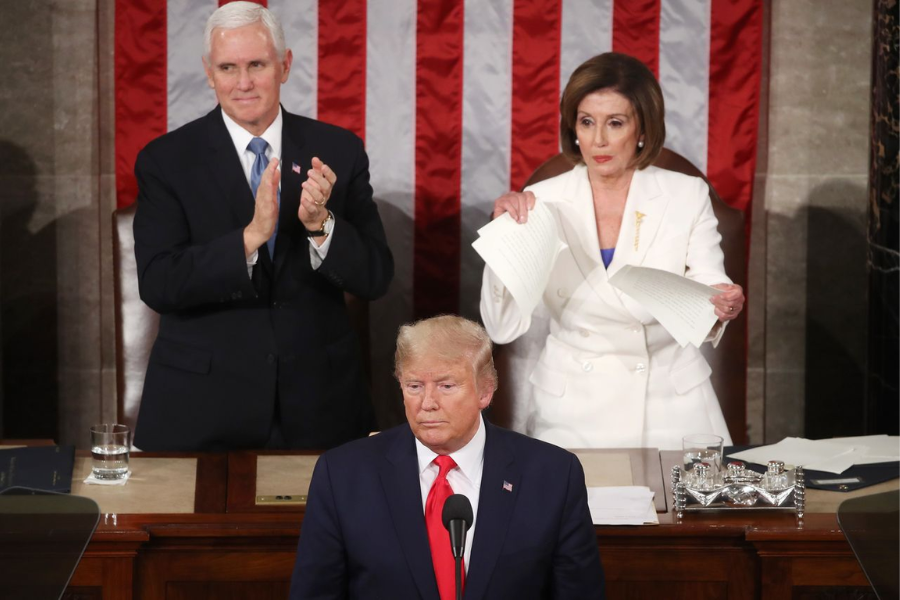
pixel 325 229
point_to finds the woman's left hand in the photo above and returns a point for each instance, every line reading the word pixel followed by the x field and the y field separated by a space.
pixel 730 302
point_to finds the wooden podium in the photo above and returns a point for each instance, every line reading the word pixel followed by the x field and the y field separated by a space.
pixel 197 526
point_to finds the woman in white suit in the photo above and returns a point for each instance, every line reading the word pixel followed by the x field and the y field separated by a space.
pixel 609 374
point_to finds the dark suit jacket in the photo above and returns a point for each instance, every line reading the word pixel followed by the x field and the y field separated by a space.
pixel 229 346
pixel 363 533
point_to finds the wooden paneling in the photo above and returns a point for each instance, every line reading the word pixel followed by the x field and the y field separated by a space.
pixel 166 574
pixel 692 590
pixel 227 590
pixel 230 548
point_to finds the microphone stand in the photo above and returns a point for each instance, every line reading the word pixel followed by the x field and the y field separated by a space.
pixel 459 591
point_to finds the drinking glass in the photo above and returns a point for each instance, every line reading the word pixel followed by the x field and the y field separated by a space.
pixel 110 448
pixel 702 448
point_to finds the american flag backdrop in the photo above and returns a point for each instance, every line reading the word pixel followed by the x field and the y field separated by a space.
pixel 457 101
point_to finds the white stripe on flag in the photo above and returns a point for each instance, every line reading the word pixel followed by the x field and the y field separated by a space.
pixel 189 95
pixel 487 102
pixel 300 20
pixel 684 29
pixel 586 32
pixel 390 142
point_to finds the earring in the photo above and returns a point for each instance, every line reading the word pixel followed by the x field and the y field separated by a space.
pixel 641 144
pixel 576 143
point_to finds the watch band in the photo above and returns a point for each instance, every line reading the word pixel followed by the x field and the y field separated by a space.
pixel 321 232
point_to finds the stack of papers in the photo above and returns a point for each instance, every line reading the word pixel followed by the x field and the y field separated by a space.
pixel 521 255
pixel 627 505
pixel 832 456
pixel 680 305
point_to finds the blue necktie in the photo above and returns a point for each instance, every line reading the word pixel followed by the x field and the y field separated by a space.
pixel 258 147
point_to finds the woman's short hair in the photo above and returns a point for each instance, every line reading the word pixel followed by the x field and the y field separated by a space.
pixel 241 14
pixel 629 77
pixel 448 338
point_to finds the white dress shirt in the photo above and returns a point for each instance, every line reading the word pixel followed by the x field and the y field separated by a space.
pixel 241 139
pixel 465 479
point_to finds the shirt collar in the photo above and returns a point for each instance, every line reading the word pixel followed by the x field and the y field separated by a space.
pixel 241 137
pixel 467 458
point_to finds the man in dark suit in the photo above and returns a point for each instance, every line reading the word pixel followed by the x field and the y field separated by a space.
pixel 248 264
pixel 363 533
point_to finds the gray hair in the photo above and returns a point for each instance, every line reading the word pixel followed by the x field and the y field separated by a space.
pixel 450 338
pixel 241 14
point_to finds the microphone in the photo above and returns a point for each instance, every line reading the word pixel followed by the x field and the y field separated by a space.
pixel 457 518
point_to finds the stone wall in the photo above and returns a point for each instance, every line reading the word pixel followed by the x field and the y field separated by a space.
pixel 808 291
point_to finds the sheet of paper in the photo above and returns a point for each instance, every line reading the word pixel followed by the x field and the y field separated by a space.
pixel 680 305
pixel 871 449
pixel 622 505
pixel 817 455
pixel 522 255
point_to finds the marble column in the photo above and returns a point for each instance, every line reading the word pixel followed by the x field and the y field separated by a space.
pixel 814 231
pixel 882 393
pixel 29 233
pixel 57 343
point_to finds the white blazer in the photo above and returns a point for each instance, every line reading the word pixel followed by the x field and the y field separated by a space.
pixel 609 375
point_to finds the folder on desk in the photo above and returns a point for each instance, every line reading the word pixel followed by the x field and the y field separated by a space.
pixel 47 468
pixel 853 478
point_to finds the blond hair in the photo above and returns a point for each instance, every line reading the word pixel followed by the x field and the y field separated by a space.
pixel 449 338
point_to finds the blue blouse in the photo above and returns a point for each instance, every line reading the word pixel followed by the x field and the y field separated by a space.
pixel 607 255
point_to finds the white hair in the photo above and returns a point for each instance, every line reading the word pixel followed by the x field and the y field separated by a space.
pixel 241 14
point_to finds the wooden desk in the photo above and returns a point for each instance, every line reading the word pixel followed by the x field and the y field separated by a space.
pixel 230 547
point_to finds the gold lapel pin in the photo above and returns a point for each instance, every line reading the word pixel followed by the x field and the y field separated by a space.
pixel 638 219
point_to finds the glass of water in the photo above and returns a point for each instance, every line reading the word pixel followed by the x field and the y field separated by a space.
pixel 702 448
pixel 110 447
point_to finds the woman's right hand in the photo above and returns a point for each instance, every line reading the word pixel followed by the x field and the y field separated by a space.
pixel 517 204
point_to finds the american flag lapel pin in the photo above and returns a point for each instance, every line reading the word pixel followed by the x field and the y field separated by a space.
pixel 507 486
pixel 295 168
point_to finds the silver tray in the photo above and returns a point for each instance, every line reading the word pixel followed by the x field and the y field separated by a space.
pixel 738 489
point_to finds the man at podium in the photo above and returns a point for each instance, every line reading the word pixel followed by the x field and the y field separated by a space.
pixel 373 526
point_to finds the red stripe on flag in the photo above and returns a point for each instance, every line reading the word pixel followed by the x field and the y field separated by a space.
pixel 636 30
pixel 342 64
pixel 534 126
pixel 439 81
pixel 141 95
pixel 735 71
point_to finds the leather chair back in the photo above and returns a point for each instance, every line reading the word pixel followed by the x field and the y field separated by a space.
pixel 137 325
pixel 728 361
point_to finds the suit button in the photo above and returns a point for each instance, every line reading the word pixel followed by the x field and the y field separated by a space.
pixel 584 333
pixel 640 368
pixel 588 366
pixel 235 295
pixel 562 293
pixel 270 359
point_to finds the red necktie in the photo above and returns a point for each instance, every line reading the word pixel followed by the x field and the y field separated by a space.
pixel 438 536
